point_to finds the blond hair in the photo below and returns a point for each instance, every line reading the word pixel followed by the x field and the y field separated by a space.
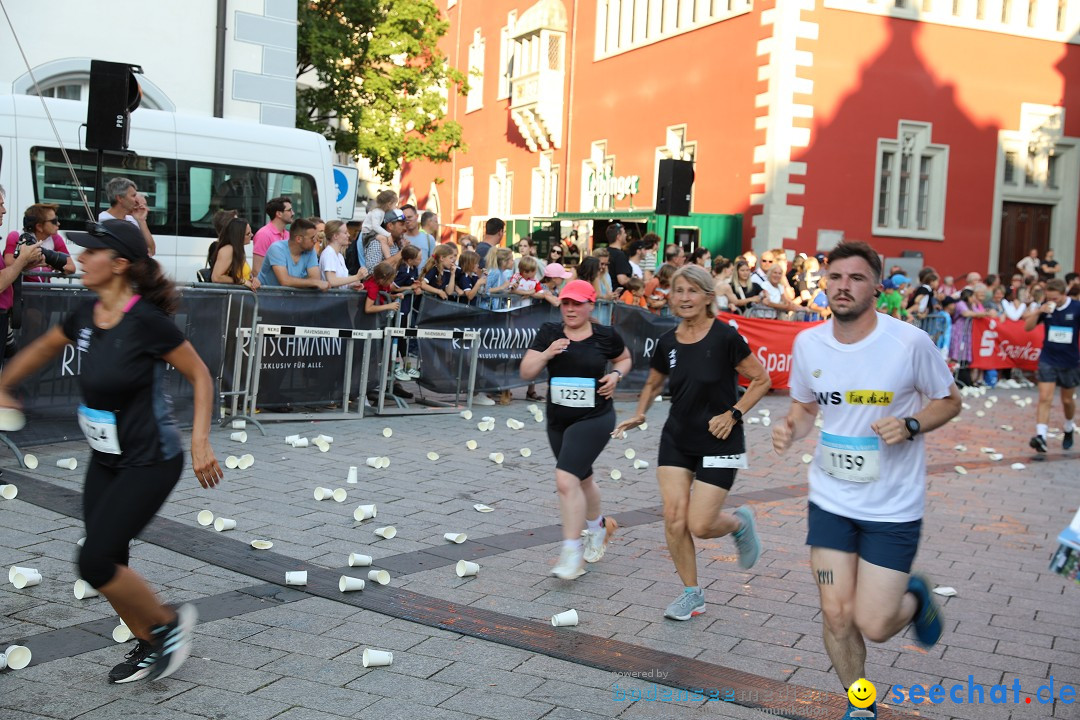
pixel 700 278
pixel 527 264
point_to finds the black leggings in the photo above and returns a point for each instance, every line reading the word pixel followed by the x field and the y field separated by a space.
pixel 577 445
pixel 117 504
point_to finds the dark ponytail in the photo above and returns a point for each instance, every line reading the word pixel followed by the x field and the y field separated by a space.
pixel 153 285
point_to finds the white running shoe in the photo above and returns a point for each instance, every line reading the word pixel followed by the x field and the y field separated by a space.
pixel 482 399
pixel 571 564
pixel 596 540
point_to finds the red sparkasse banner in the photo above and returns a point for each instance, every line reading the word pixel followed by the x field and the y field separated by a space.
pixel 1000 344
pixel 770 341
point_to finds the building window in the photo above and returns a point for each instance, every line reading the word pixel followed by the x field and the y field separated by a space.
pixel 623 25
pixel 909 197
pixel 506 56
pixel 475 99
pixel 501 190
pixel 465 188
pixel 545 187
pixel 1010 167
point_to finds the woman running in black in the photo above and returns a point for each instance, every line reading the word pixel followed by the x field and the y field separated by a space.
pixel 702 443
pixel 124 341
pixel 580 416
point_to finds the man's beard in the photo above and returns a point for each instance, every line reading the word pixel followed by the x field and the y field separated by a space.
pixel 854 312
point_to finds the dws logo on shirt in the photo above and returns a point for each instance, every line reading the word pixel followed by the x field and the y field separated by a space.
pixel 854 397
pixel 671 356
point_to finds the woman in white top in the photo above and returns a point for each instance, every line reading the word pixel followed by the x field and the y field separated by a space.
pixel 332 260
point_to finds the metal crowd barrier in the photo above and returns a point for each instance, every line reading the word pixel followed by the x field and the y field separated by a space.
pixel 938 326
pixel 426 405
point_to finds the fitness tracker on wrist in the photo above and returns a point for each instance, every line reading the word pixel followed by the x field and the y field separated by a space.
pixel 736 414
pixel 913 427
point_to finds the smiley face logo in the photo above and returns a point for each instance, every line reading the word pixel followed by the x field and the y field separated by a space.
pixel 862 693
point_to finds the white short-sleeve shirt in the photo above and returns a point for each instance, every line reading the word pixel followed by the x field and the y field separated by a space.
pixel 892 372
pixel 333 261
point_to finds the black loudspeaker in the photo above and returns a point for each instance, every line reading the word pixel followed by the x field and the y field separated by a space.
pixel 114 93
pixel 673 187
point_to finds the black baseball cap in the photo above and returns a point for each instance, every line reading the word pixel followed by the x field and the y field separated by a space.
pixel 393 216
pixel 119 235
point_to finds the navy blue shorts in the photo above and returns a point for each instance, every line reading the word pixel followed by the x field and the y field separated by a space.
pixel 886 544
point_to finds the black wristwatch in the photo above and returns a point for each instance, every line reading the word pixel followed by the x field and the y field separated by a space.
pixel 913 427
pixel 736 414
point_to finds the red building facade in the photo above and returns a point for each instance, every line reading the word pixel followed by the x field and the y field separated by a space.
pixel 944 127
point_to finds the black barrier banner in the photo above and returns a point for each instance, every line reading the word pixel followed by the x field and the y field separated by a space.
pixel 505 335
pixel 51 396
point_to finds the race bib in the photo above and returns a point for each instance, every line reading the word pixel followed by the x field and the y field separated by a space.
pixel 573 392
pixel 737 462
pixel 854 459
pixel 1059 334
pixel 99 427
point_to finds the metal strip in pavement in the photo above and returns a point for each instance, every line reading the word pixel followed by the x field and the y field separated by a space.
pixel 602 653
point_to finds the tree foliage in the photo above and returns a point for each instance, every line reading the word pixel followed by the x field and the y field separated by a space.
pixel 382 79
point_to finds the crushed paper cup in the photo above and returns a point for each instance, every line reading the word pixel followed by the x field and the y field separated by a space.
pixel 640 464
pixel 1007 428
pixel 223 524
pixel 232 462
pixel 387 432
pixel 379 576
pixel 568 618
pixel 960 470
pixel 996 456
pixel 988 450
pixel 30 462
pixel 496 457
pixel 483 508
pixel 467 414
pixel 323 493
pixel 122 633
pixel 205 518
pixel 953 420
pixel 12 420
pixel 83 590
pixel 764 411
pixel 766 421
pixel 377 658
pixel 643 426
pixel 1018 466
pixel 9 491
pixel 616 474
pixel 965 406
pixel 807 458
pixel 364 512
pixel 26 578
pixel 351 477
pixel 433 456
pixel 297 577
pixel 340 495
pixel 980 413
pixel 359 560
pixel 389 532
pixel 960 448
pixel 466 568
pixel 350 584
pixel 526 452
pixel 67 463
pixel 630 454
pixel 753 420
pixel 246 461
pixel 239 436
pixel 262 544
pixel 239 424
pixel 456 538
pixel 471 444
pixel 945 591
pixel 17 656
pixel 533 409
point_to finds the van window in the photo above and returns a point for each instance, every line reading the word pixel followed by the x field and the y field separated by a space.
pixel 53 184
pixel 206 188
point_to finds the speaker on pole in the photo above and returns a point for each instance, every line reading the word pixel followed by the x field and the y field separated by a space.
pixel 673 187
pixel 114 94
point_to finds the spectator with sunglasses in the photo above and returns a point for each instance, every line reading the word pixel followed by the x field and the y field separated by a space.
pixel 41 221
pixel 555 255
pixel 760 274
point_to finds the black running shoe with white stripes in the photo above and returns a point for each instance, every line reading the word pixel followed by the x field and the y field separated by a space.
pixel 172 643
pixel 136 664
pixel 1038 442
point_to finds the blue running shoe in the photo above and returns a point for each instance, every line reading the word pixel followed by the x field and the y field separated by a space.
pixel 746 539
pixel 927 620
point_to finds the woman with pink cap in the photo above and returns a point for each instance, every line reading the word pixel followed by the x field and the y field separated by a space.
pixel 580 415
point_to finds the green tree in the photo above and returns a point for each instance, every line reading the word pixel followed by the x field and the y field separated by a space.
pixel 382 79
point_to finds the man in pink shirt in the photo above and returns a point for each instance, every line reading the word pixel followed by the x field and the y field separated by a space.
pixel 280 212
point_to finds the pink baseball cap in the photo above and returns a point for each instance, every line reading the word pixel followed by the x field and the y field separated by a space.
pixel 556 270
pixel 578 290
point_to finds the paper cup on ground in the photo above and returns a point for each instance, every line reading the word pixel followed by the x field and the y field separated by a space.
pixel 122 633
pixel 467 414
pixel 11 420
pixel 565 619
pixel 483 508
pixel 616 474
pixel 239 436
pixel 526 452
pixel 81 541
pixel 488 418
pixel 246 461
pixel 496 457
pixel 630 454
pixel 340 495
pixel 8 492
pixel 482 426
pixel 84 591
pixel 433 456
pixel 641 464
pixel 205 518
pixel 351 478
pixel 386 533
pixel 363 512
pixel 384 462
pixel 533 408
pixel 298 577
pixel 359 560
pixel 323 493
pixel 30 461
pixel 374 462
pixel 538 417
pixel 324 438
pixel 26 578
pixel 1018 466
pixel 377 658
pixel 301 443
pixel 465 568
pixel 16 569
pixel 232 462
pixel 17 656
pixel 322 445
pixel 471 444
pixel 290 439
pixel 262 544
pixel 223 524
pixel 239 424
pixel 67 463
pixel 380 576
pixel 349 584
pixel 455 537
pixel 387 432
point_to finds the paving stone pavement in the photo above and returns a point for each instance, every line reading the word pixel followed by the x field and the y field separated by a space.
pixel 988 533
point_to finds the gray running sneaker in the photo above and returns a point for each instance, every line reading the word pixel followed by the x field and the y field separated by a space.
pixel 746 539
pixel 686 606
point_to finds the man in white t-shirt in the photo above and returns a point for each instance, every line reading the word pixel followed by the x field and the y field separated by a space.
pixel 870 375
pixel 1029 264
pixel 126 203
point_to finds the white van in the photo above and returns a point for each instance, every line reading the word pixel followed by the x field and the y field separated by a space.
pixel 188 166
